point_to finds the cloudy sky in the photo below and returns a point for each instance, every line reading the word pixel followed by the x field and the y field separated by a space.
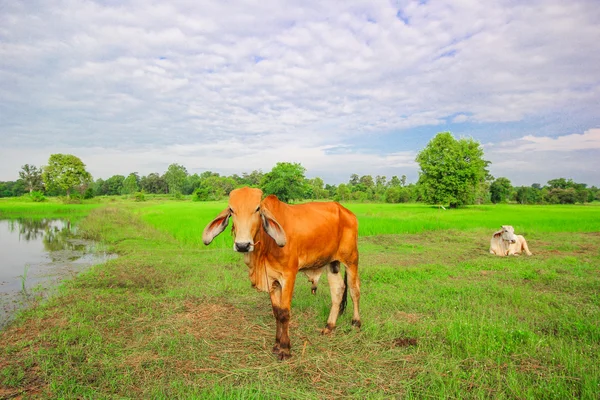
pixel 341 87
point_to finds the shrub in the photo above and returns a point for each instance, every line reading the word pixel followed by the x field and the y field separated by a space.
pixel 204 194
pixel 37 196
pixel 74 198
pixel 139 196
pixel 89 193
pixel 398 195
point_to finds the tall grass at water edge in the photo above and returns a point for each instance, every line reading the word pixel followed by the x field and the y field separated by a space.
pixel 23 207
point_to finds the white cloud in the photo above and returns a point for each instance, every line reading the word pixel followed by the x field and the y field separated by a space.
pixel 589 140
pixel 541 158
pixel 135 78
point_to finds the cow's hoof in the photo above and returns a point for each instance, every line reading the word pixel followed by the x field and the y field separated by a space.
pixel 276 349
pixel 313 290
pixel 356 323
pixel 328 329
pixel 284 355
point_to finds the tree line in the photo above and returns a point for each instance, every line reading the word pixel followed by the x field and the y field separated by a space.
pixel 453 172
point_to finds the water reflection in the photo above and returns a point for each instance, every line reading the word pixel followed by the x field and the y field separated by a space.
pixel 39 253
pixel 55 235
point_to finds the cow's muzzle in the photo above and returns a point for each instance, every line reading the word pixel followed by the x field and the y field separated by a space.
pixel 243 247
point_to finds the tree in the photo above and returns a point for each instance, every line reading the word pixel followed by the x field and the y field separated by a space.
pixel 331 190
pixel 286 181
pixel 252 179
pixel 398 194
pixel 192 182
pixel 395 181
pixel 367 181
pixel 32 177
pixel 316 185
pixel 99 187
pixel 131 184
pixel 114 185
pixel 354 179
pixel 500 190
pixel 154 183
pixel 380 187
pixel 343 192
pixel 214 188
pixel 65 171
pixel 175 177
pixel 451 170
pixel 12 188
pixel 559 183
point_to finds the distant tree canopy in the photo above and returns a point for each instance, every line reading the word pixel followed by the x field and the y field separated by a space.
pixel 286 181
pixel 212 186
pixel 500 190
pixel 451 170
pixel 31 177
pixel 66 172
pixel 154 183
pixel 175 177
pixel 131 184
pixel 12 188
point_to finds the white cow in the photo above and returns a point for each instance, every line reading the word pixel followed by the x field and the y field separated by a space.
pixel 506 243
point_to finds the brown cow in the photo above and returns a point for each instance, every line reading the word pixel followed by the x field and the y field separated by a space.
pixel 278 240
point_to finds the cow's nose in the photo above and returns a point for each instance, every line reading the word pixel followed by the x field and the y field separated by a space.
pixel 242 247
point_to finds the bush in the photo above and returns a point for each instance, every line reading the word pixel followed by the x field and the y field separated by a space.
pixel 139 196
pixel 88 194
pixel 74 198
pixel 201 194
pixel 37 196
pixel 398 194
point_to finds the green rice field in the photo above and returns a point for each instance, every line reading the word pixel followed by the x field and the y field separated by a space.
pixel 441 317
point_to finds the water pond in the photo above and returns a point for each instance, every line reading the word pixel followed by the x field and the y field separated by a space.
pixel 36 254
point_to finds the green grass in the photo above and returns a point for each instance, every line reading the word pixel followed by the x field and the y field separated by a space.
pixel 24 207
pixel 186 220
pixel 172 318
pixel 377 219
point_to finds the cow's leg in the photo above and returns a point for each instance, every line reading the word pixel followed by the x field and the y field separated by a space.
pixel 275 293
pixel 526 248
pixel 336 287
pixel 354 284
pixel 283 314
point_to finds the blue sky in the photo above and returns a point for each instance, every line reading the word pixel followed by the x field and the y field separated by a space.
pixel 341 87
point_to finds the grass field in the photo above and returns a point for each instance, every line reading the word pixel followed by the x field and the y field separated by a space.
pixel 172 318
pixel 25 208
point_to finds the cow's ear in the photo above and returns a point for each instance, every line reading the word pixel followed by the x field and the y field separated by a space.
pixel 216 226
pixel 272 227
pixel 498 233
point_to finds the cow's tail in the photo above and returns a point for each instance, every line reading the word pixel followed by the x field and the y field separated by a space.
pixel 345 295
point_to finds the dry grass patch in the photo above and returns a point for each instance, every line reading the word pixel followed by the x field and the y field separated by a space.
pixel 220 322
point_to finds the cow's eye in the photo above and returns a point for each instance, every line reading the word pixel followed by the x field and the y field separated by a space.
pixel 231 210
pixel 257 209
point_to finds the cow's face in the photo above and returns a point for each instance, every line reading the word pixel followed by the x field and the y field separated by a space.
pixel 244 207
pixel 248 215
pixel 508 234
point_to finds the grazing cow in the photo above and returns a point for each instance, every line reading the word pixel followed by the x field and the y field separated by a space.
pixel 278 240
pixel 505 243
